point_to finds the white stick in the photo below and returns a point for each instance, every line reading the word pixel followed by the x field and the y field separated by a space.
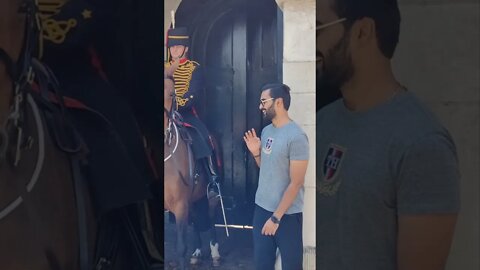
pixel 245 227
pixel 221 204
pixel 223 210
pixel 172 13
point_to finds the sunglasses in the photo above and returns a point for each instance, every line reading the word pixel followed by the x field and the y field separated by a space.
pixel 263 101
pixel 325 25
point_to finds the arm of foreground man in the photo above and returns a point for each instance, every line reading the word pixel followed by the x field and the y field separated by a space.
pixel 424 241
pixel 428 201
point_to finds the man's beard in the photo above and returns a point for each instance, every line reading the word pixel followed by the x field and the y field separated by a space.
pixel 325 94
pixel 269 114
pixel 333 73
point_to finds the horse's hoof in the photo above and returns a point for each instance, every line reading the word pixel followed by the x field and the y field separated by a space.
pixel 216 262
pixel 195 259
pixel 172 265
pixel 215 254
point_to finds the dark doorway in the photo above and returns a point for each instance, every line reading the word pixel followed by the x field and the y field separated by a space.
pixel 239 45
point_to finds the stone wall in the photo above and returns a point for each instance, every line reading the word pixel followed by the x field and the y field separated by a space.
pixel 299 74
pixel 438 59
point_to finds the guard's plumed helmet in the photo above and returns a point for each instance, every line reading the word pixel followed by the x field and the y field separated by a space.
pixel 178 36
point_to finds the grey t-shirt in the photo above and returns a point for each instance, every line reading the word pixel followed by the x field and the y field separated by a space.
pixel 373 166
pixel 279 146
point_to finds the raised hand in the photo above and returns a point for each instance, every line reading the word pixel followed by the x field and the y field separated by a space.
pixel 168 71
pixel 253 142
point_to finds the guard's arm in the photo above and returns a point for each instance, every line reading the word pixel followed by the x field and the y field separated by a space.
pixel 196 87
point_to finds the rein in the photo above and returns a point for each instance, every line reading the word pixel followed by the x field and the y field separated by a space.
pixel 173 118
pixel 39 163
pixel 168 134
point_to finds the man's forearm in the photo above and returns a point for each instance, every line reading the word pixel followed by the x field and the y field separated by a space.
pixel 288 198
pixel 257 158
pixel 424 241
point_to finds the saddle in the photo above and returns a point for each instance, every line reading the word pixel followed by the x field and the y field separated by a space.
pixel 183 127
pixel 47 94
pixel 200 137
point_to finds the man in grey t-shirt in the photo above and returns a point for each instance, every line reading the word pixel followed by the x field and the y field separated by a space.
pixel 282 155
pixel 387 172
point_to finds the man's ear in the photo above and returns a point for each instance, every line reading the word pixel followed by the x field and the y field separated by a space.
pixel 363 31
pixel 280 102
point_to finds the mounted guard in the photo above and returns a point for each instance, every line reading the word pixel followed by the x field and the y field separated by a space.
pixel 189 84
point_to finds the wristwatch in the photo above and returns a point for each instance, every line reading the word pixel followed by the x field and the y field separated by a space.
pixel 274 219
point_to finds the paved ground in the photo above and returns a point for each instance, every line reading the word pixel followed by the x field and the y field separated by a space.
pixel 236 250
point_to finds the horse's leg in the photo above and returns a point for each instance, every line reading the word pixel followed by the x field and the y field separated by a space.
pixel 197 240
pixel 197 245
pixel 181 217
pixel 201 222
pixel 181 243
pixel 214 249
pixel 214 252
pixel 205 209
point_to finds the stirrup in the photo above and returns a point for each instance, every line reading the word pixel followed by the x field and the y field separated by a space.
pixel 210 189
pixel 213 186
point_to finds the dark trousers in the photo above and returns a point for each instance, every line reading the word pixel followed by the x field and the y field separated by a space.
pixel 288 239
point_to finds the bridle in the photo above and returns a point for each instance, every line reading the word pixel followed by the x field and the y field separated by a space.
pixel 172 129
pixel 172 132
pixel 22 76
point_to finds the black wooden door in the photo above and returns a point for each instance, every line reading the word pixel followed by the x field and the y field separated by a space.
pixel 237 44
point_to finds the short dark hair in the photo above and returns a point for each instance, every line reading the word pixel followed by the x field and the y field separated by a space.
pixel 279 90
pixel 385 14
